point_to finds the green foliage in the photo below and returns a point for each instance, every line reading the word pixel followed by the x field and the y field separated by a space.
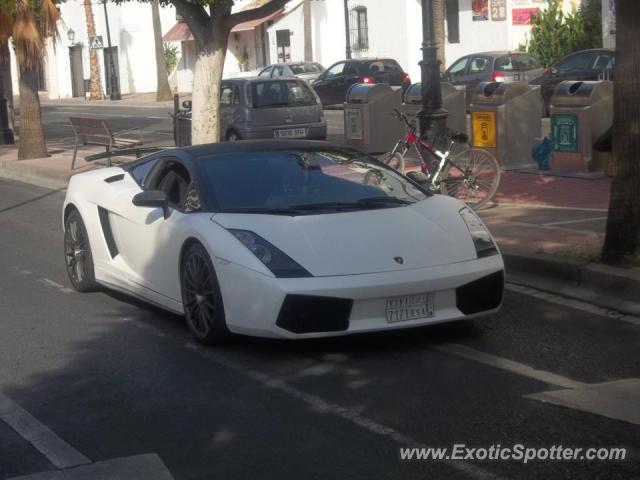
pixel 170 57
pixel 555 34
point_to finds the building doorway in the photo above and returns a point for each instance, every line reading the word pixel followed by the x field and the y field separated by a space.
pixel 107 66
pixel 77 73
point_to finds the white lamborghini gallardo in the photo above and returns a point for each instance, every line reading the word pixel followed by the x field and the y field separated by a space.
pixel 291 239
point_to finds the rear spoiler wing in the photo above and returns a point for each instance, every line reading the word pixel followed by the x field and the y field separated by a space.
pixel 138 152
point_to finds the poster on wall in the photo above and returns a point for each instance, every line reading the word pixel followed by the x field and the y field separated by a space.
pixel 522 16
pixel 498 10
pixel 480 10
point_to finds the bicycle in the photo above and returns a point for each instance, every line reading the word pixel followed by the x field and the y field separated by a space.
pixel 472 175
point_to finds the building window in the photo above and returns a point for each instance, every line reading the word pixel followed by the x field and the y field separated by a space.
pixel 359 29
pixel 453 21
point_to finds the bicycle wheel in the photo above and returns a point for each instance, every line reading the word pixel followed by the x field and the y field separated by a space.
pixel 395 161
pixel 472 176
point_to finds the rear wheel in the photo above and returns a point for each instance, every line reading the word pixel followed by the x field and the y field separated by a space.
pixel 201 297
pixel 473 176
pixel 77 254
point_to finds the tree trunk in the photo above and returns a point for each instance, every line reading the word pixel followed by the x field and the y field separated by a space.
pixel 438 20
pixel 31 143
pixel 5 75
pixel 205 114
pixel 308 44
pixel 96 85
pixel 163 92
pixel 622 239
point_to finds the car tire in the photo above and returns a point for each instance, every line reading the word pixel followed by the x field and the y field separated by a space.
pixel 201 297
pixel 77 254
pixel 232 136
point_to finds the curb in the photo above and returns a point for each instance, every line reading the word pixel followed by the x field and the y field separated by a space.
pixel 613 287
pixel 15 170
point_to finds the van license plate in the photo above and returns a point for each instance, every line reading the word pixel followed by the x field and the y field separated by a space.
pixel 409 307
pixel 291 133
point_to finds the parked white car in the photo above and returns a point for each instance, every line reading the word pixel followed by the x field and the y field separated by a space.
pixel 291 239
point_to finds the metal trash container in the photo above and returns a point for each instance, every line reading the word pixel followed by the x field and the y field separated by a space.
pixel 454 101
pixel 506 120
pixel 181 122
pixel 368 124
pixel 581 112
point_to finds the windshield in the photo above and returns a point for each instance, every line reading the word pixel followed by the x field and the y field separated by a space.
pixel 281 93
pixel 303 182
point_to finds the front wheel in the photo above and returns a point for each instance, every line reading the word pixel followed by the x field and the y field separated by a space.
pixel 201 297
pixel 472 176
pixel 77 254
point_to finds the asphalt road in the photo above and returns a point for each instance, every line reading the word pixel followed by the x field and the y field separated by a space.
pixel 100 377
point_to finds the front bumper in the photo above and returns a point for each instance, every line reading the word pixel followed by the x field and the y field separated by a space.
pixel 253 301
pixel 315 131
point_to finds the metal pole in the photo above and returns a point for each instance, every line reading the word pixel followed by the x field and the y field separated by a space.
pixel 432 117
pixel 113 77
pixel 6 134
pixel 347 32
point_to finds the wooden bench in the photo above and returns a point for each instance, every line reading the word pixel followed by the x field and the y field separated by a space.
pixel 97 131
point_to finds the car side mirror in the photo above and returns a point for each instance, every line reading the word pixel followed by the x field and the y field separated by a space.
pixel 187 104
pixel 152 199
pixel 554 72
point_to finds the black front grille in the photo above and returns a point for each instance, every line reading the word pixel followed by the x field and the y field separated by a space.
pixel 481 295
pixel 311 314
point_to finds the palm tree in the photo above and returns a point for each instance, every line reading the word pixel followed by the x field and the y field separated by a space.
pixel 29 23
pixel 95 88
pixel 163 90
pixel 438 21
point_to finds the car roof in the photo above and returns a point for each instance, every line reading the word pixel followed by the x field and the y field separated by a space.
pixel 260 79
pixel 200 151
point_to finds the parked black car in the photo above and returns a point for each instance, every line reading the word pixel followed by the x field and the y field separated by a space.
pixel 333 83
pixel 472 69
pixel 596 64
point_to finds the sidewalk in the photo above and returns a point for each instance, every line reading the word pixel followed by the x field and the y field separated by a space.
pixel 133 99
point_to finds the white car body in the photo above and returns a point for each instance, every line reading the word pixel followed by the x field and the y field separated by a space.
pixel 350 255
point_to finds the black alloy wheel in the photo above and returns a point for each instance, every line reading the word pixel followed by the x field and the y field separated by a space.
pixel 201 297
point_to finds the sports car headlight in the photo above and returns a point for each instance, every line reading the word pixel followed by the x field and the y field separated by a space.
pixel 277 261
pixel 479 234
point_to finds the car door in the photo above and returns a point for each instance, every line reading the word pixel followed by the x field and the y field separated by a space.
pixel 148 243
pixel 456 73
pixel 327 85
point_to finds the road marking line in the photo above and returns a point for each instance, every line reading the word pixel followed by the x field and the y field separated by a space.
pixel 352 415
pixel 572 303
pixel 567 222
pixel 57 286
pixel 57 451
pixel 139 467
pixel 508 365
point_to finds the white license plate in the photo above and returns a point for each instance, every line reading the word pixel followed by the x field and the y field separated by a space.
pixel 291 133
pixel 409 307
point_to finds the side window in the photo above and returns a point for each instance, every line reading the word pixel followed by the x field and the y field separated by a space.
pixel 236 95
pixel 278 71
pixel 459 68
pixel 350 70
pixel 226 95
pixel 139 172
pixel 376 67
pixel 478 65
pixel 504 63
pixel 175 181
pixel 575 63
pixel 266 72
pixel 336 70
pixel 392 67
pixel 603 62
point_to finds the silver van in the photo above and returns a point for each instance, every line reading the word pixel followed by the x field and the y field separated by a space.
pixel 254 108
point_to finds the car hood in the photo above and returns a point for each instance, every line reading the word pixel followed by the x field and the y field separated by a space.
pixel 423 234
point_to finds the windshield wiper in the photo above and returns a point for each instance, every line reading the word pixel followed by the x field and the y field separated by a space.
pixel 262 210
pixel 363 203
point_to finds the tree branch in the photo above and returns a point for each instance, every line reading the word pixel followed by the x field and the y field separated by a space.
pixel 257 13
pixel 196 17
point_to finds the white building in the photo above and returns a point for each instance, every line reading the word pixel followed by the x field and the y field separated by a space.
pixel 379 28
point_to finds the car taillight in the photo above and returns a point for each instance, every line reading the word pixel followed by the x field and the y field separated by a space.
pixel 406 78
pixel 367 79
pixel 546 70
pixel 498 77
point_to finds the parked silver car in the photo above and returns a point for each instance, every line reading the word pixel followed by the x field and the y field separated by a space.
pixel 252 108
pixel 308 71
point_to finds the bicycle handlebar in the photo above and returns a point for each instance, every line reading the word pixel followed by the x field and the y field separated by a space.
pixel 402 117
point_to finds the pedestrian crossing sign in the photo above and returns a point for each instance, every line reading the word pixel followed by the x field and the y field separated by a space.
pixel 95 42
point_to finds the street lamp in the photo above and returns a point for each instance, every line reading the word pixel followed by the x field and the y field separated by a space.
pixel 432 117
pixel 347 33
pixel 113 77
pixel 71 35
